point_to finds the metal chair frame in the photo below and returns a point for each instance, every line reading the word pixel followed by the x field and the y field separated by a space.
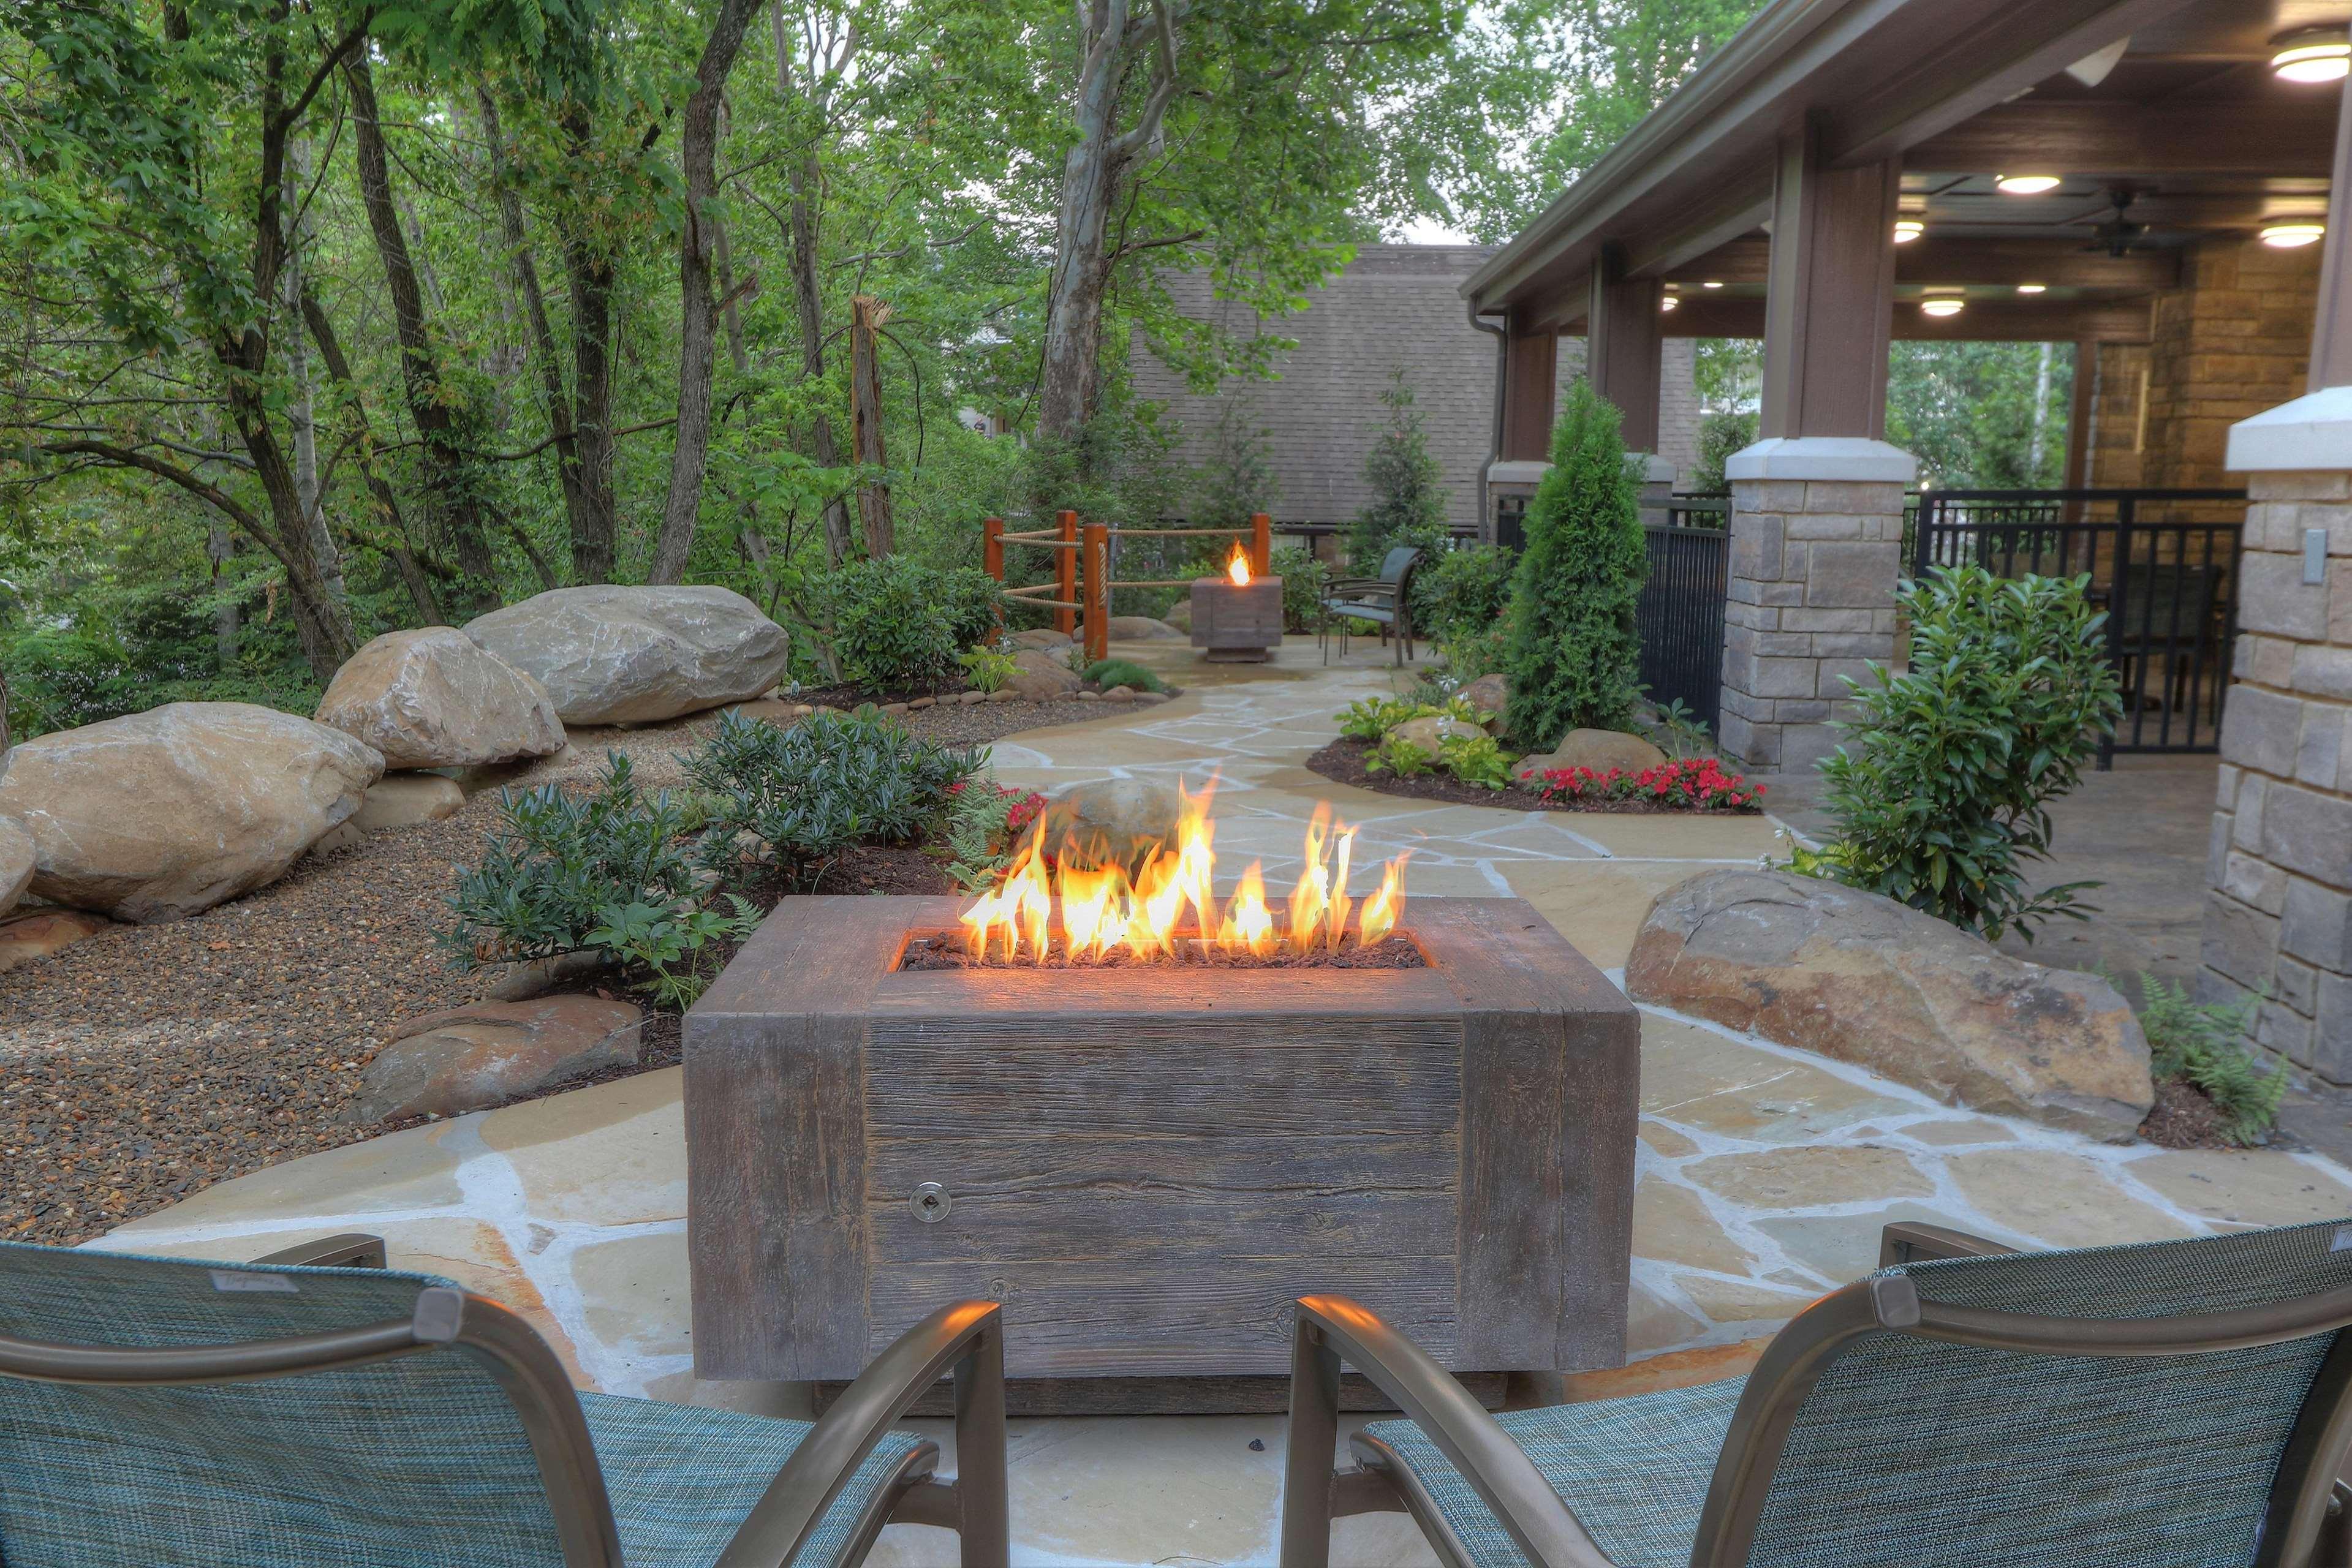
pixel 2308 1523
pixel 966 1339
pixel 1383 600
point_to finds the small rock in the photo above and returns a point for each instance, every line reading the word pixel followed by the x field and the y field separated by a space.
pixel 1149 697
pixel 1141 629
pixel 1114 820
pixel 35 934
pixel 970 697
pixel 802 710
pixel 1119 694
pixel 448 1063
pixel 1862 978
pixel 1040 637
pixel 922 703
pixel 435 699
pixel 16 853
pixel 894 709
pixel 407 800
pixel 1599 749
pixel 1090 696
pixel 1041 677
pixel 1489 694
pixel 541 975
pixel 1427 731
pixel 1006 696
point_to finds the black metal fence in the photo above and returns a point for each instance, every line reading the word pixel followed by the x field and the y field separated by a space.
pixel 2162 563
pixel 1680 615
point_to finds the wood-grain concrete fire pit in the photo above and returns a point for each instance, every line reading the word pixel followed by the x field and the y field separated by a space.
pixel 1237 618
pixel 1146 1162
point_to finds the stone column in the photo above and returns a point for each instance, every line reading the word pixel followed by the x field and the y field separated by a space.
pixel 1816 547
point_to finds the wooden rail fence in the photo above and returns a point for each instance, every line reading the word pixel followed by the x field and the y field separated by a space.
pixel 1082 581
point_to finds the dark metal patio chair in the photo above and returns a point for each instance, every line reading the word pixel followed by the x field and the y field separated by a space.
pixel 1382 599
pixel 315 1408
pixel 2175 1405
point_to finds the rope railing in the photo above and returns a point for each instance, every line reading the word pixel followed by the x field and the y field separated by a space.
pixel 1082 581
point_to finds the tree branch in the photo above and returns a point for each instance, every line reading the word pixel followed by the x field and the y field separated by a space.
pixel 295 111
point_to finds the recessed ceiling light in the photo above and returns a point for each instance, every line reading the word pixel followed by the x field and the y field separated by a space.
pixel 2312 54
pixel 2027 184
pixel 2033 287
pixel 1667 302
pixel 1711 283
pixel 2291 235
pixel 1941 304
pixel 1908 229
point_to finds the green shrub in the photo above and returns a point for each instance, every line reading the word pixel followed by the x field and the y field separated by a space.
pixel 1943 784
pixel 822 786
pixel 985 824
pixel 897 623
pixel 1720 435
pixel 563 870
pixel 1400 757
pixel 1303 579
pixel 1476 760
pixel 1462 593
pixel 1572 653
pixel 665 941
pixel 1368 718
pixel 2203 1044
pixel 1408 503
pixel 1109 673
pixel 988 669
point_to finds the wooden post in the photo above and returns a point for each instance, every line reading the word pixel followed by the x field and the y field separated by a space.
pixel 991 558
pixel 1829 296
pixel 1624 338
pixel 2331 323
pixel 1530 363
pixel 1065 575
pixel 1095 561
pixel 1261 544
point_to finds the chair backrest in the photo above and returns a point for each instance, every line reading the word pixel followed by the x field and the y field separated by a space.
pixel 2166 602
pixel 422 1458
pixel 1398 563
pixel 1895 1446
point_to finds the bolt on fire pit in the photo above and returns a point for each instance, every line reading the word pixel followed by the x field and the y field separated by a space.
pixel 1146 1162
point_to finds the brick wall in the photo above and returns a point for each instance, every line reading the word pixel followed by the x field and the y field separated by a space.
pixel 1678 410
pixel 2233 342
pixel 1396 305
pixel 2117 452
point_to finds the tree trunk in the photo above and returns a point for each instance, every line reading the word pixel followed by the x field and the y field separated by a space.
pixel 698 323
pixel 448 478
pixel 301 410
pixel 866 315
pixel 414 573
pixel 220 548
pixel 806 179
pixel 579 509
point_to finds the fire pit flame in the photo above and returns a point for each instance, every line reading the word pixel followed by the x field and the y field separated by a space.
pixel 1238 568
pixel 1100 907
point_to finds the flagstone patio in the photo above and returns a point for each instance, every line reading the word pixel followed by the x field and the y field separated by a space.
pixel 1764 1173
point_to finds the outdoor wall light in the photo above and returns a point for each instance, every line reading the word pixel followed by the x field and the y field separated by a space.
pixel 2313 54
pixel 2033 287
pixel 1941 305
pixel 1908 229
pixel 1711 283
pixel 1667 302
pixel 2026 184
pixel 2294 234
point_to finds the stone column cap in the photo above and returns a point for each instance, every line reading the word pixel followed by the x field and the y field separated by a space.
pixel 1655 470
pixel 1855 458
pixel 2313 433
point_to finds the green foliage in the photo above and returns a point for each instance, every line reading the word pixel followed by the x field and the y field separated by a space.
pixel 1680 732
pixel 1462 593
pixel 1398 756
pixel 1109 673
pixel 821 786
pixel 1720 435
pixel 1982 415
pixel 1303 582
pixel 1408 503
pixel 897 623
pixel 1370 719
pixel 986 822
pixel 1476 759
pixel 987 669
pixel 1572 653
pixel 1943 785
pixel 559 865
pixel 668 945
pixel 2203 1044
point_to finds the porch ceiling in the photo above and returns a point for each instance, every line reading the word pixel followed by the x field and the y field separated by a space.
pixel 2189 130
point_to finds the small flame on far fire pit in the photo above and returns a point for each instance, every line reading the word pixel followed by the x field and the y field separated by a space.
pixel 1238 568
pixel 1102 907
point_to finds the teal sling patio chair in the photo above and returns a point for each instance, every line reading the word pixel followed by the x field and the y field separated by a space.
pixel 2173 1404
pixel 317 1408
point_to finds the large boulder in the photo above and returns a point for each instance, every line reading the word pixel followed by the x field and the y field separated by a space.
pixel 162 814
pixel 1043 637
pixel 1599 749
pixel 449 1062
pixel 1862 978
pixel 1040 676
pixel 436 699
pixel 611 655
pixel 1115 820
pixel 15 864
pixel 1142 629
pixel 1180 616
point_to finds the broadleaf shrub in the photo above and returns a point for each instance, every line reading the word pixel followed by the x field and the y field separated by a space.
pixel 1476 759
pixel 1109 673
pixel 898 622
pixel 1574 656
pixel 811 790
pixel 1396 755
pixel 1697 785
pixel 1943 785
pixel 988 669
pixel 1462 593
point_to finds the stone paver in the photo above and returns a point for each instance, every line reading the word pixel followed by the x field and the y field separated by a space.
pixel 1764 1173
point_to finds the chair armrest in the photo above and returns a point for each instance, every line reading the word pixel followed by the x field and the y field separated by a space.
pixel 1358 585
pixel 1910 1241
pixel 351 1250
pixel 968 1337
pixel 1333 1329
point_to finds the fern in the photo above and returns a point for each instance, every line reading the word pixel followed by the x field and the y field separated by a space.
pixel 2201 1044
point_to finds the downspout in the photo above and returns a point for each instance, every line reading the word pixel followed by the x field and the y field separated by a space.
pixel 1495 424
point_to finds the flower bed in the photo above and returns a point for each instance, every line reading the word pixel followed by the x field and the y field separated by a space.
pixel 1697 784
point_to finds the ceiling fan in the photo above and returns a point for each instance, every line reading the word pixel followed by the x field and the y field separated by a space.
pixel 2120 236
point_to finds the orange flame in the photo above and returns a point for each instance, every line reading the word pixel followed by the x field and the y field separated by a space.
pixel 1075 908
pixel 1238 568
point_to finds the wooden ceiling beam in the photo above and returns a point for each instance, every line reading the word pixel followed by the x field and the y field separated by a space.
pixel 2277 135
pixel 2060 263
pixel 1983 321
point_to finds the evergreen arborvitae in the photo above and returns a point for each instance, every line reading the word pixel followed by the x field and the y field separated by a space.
pixel 1408 503
pixel 1573 654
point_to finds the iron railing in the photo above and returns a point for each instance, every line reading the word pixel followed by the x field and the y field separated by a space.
pixel 1680 613
pixel 2163 564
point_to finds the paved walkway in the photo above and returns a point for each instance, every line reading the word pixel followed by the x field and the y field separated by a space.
pixel 1764 1173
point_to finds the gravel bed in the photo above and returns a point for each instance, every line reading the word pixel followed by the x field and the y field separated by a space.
pixel 143 1064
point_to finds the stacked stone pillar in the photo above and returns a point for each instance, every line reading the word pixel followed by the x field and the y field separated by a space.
pixel 1816 547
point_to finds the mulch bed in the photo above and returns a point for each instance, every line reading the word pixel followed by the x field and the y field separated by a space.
pixel 144 1064
pixel 2184 1117
pixel 1390 952
pixel 1343 761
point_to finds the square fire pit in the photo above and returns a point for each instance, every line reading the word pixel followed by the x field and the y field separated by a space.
pixel 1146 1163
pixel 1237 622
